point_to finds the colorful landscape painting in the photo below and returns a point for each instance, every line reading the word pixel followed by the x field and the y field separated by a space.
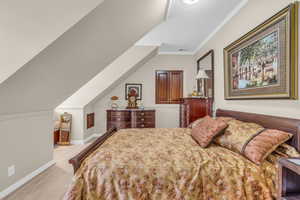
pixel 256 65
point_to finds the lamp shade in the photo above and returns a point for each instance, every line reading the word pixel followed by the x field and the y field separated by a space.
pixel 202 74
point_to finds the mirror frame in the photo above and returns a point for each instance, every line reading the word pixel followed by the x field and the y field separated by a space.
pixel 210 52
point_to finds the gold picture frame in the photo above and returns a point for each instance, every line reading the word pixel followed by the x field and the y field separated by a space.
pixel 263 64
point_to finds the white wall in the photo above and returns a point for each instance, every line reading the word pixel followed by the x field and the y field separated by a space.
pixel 166 115
pixel 26 142
pixel 254 13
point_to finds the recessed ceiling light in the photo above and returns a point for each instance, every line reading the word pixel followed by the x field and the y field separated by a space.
pixel 190 2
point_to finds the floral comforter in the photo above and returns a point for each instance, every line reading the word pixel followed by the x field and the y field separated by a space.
pixel 167 164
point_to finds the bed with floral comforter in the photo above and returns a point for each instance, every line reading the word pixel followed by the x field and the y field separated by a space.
pixel 167 164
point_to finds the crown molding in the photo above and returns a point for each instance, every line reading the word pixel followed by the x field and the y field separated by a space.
pixel 185 53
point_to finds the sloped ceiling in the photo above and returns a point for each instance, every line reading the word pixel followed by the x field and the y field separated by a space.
pixel 27 27
pixel 79 54
pixel 119 69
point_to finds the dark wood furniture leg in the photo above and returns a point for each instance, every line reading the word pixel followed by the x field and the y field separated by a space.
pixel 78 159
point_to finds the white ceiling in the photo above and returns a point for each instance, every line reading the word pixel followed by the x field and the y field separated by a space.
pixel 188 26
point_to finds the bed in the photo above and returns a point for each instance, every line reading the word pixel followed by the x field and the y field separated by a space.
pixel 168 164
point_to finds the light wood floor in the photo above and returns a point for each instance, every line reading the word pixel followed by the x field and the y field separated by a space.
pixel 53 183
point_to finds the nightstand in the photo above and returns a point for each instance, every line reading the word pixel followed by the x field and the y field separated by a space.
pixel 289 179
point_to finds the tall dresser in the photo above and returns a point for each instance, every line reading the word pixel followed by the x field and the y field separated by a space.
pixel 193 108
pixel 130 118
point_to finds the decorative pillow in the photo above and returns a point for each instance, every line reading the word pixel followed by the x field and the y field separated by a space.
pixel 282 151
pixel 194 123
pixel 251 140
pixel 264 144
pixel 205 131
pixel 287 150
pixel 237 134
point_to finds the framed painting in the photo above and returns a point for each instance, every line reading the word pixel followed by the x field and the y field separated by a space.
pixel 136 87
pixel 263 63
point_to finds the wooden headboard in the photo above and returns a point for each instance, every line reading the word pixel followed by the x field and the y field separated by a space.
pixel 267 121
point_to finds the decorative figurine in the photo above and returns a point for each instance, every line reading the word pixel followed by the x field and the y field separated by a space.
pixel 132 99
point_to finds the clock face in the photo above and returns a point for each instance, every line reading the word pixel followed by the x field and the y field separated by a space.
pixel 132 98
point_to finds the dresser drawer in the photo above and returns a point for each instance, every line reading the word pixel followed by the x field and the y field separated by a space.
pixel 145 125
pixel 145 114
pixel 119 114
pixel 192 109
pixel 119 125
pixel 130 119
pixel 119 118
pixel 143 117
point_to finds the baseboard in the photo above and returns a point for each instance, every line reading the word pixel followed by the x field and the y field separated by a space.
pixel 26 179
pixel 98 134
pixel 89 138
pixel 80 142
pixel 77 142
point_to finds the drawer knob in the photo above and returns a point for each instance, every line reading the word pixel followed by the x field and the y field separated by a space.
pixel 142 113
pixel 142 119
pixel 142 125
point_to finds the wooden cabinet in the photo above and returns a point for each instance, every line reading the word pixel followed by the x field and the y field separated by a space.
pixel 127 118
pixel 193 108
pixel 169 87
pixel 289 179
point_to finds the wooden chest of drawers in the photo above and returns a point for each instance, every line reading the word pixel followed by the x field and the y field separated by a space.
pixel 128 118
pixel 192 109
